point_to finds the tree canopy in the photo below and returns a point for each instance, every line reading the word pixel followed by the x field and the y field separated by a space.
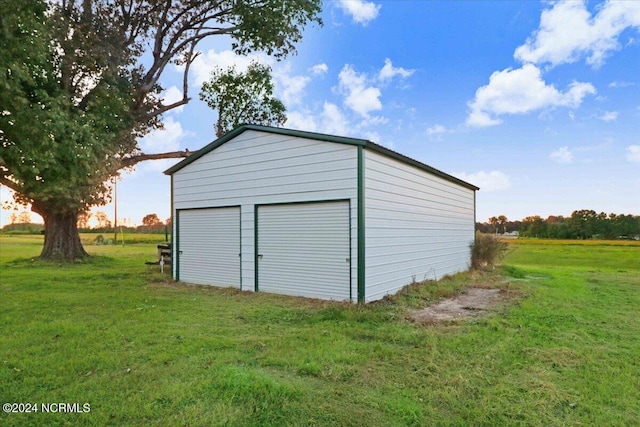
pixel 241 98
pixel 80 84
pixel 151 220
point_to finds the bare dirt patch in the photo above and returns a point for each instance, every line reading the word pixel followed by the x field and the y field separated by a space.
pixel 474 302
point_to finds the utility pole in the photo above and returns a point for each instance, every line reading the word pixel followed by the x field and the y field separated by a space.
pixel 115 210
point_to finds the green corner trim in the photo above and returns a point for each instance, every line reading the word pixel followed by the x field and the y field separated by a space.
pixel 255 247
pixel 350 252
pixel 176 245
pixel 174 224
pixel 361 229
pixel 240 241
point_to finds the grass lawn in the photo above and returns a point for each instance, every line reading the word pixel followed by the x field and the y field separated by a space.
pixel 142 350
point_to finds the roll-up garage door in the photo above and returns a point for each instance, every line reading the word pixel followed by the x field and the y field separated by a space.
pixel 209 246
pixel 303 249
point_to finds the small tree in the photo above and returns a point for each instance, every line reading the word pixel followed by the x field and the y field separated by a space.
pixel 502 223
pixel 103 220
pixel 83 219
pixel 494 222
pixel 151 220
pixel 583 223
pixel 534 226
pixel 243 98
pixel 24 217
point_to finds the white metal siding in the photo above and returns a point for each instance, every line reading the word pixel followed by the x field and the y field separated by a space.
pixel 418 225
pixel 304 250
pixel 260 168
pixel 209 246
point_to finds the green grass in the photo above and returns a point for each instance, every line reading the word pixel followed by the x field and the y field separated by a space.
pixel 31 244
pixel 549 253
pixel 142 350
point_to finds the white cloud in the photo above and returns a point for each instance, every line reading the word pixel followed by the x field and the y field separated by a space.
pixel 167 139
pixel 160 141
pixel 633 153
pixel 436 131
pixel 520 91
pixel 609 116
pixel 562 155
pixel 319 69
pixel 487 181
pixel 361 97
pixel 301 121
pixel 205 63
pixel 289 88
pixel 331 121
pixel 293 88
pixel 362 92
pixel 358 96
pixel 617 84
pixel 568 32
pixel 171 95
pixel 373 121
pixel 481 119
pixel 374 136
pixel 361 11
pixel 389 71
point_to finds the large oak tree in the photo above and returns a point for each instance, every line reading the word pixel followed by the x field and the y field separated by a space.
pixel 80 84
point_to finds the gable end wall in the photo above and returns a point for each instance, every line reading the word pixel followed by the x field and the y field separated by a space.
pixel 258 168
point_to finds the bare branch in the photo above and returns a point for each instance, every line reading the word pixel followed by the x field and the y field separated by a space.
pixel 185 77
pixel 190 56
pixel 166 108
pixel 131 161
pixel 167 46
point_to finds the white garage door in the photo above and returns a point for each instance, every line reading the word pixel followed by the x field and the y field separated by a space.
pixel 303 250
pixel 209 246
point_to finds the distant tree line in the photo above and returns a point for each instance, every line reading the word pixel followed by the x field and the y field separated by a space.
pixel 582 224
pixel 151 223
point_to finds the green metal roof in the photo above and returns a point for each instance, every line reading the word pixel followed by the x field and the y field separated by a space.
pixel 320 137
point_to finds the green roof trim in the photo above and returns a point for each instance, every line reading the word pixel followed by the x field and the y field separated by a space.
pixel 320 137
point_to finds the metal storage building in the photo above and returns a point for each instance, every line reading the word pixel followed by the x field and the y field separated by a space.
pixel 314 215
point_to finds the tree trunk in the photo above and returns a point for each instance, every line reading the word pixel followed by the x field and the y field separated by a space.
pixel 61 238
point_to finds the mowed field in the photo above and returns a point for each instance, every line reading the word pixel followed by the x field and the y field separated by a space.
pixel 139 349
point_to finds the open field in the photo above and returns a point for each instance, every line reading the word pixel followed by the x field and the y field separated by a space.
pixel 141 350
pixel 93 238
pixel 612 254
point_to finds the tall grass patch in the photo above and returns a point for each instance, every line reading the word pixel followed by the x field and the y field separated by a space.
pixel 486 251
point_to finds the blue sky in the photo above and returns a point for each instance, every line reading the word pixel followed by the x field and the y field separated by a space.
pixel 537 103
